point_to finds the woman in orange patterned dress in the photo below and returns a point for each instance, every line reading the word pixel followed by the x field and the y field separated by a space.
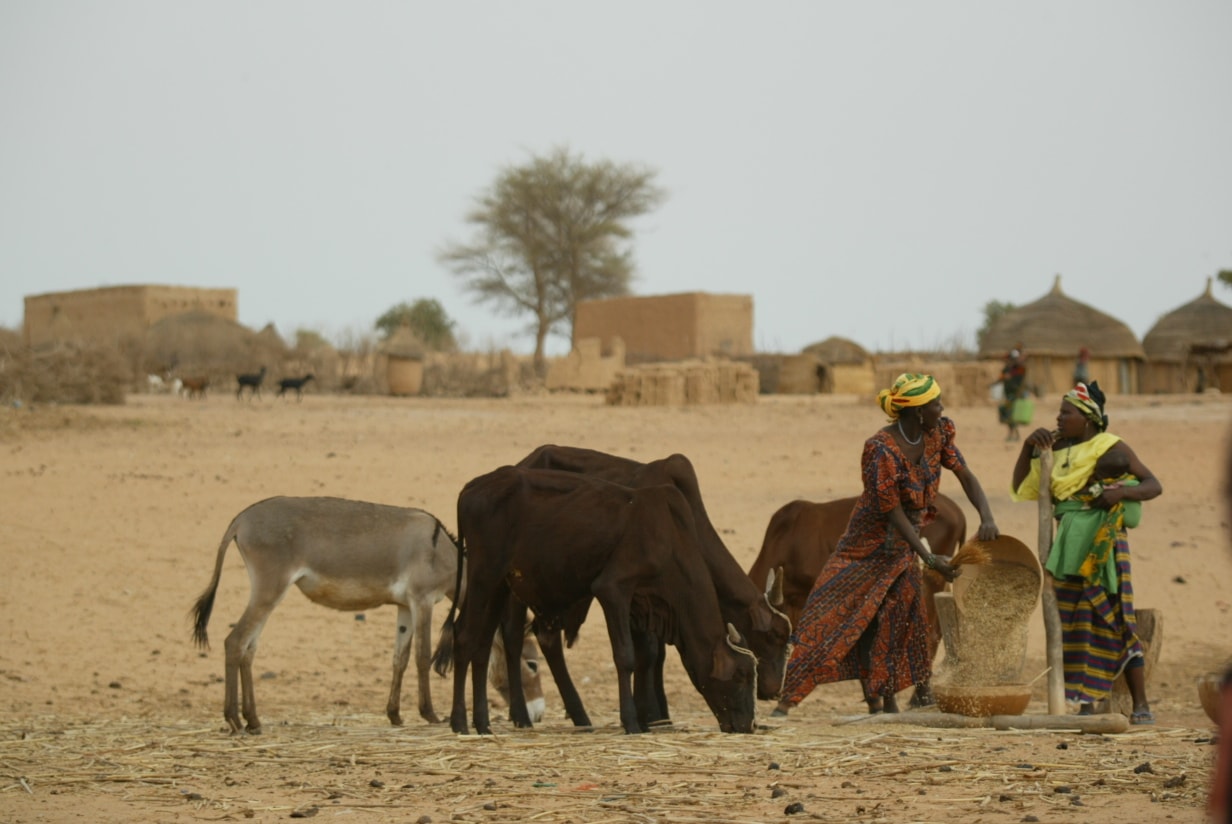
pixel 865 616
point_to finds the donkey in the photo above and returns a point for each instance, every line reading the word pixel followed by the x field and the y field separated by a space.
pixel 347 555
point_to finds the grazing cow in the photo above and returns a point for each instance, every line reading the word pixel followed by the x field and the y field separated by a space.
pixel 294 383
pixel 802 535
pixel 348 555
pixel 195 387
pixel 250 381
pixel 752 610
pixel 554 540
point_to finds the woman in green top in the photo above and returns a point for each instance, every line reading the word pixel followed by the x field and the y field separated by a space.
pixel 1091 572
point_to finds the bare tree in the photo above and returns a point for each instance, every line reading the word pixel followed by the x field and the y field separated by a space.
pixel 551 233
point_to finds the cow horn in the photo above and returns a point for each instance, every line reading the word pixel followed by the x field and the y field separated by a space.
pixel 774 587
pixel 732 635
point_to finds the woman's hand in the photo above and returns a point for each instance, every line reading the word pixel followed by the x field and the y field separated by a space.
pixel 941 565
pixel 1040 439
pixel 1112 495
pixel 988 531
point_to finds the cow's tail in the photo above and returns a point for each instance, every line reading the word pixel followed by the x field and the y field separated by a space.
pixel 442 659
pixel 205 603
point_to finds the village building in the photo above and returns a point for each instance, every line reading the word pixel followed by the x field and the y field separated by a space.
pixel 669 327
pixel 1188 348
pixel 1053 329
pixel 115 314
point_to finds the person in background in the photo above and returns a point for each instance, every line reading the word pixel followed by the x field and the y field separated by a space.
pixel 865 617
pixel 1099 632
pixel 1082 366
pixel 1013 386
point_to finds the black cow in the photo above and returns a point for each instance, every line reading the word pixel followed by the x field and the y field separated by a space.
pixel 554 540
pixel 752 610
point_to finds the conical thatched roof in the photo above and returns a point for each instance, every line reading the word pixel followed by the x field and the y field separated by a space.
pixel 197 340
pixel 837 350
pixel 1058 325
pixel 404 343
pixel 1202 321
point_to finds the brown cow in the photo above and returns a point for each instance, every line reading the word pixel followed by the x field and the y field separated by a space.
pixel 552 540
pixel 802 535
pixel 751 609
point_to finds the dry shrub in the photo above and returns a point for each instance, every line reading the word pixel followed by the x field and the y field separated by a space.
pixel 477 375
pixel 64 373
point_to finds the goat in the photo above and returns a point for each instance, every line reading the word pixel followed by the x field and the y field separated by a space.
pixel 347 555
pixel 294 383
pixel 195 387
pixel 252 381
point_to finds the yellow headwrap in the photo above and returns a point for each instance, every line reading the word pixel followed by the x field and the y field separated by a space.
pixel 908 390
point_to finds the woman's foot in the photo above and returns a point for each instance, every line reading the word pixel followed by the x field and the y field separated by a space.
pixel 1142 716
pixel 781 710
pixel 1086 708
pixel 891 704
pixel 875 705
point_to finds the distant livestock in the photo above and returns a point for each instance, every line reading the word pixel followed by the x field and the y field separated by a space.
pixel 754 610
pixel 550 540
pixel 252 382
pixel 347 555
pixel 802 535
pixel 195 387
pixel 294 383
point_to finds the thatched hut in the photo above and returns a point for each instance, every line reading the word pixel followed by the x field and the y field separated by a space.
pixel 404 361
pixel 1187 349
pixel 843 366
pixel 1052 330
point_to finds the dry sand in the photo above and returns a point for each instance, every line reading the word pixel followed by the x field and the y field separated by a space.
pixel 111 517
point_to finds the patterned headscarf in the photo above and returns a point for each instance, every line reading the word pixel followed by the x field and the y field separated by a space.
pixel 1089 400
pixel 908 390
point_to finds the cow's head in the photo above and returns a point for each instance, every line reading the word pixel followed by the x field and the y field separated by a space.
pixel 729 688
pixel 768 636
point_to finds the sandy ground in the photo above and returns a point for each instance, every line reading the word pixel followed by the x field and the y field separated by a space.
pixel 109 522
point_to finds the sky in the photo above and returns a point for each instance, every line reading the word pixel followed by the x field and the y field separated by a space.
pixel 879 171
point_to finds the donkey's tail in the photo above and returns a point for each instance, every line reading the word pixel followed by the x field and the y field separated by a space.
pixel 205 603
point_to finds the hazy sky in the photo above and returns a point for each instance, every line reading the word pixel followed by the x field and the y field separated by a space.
pixel 873 170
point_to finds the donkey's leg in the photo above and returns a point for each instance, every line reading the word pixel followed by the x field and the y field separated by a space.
pixel 402 654
pixel 422 616
pixel 241 647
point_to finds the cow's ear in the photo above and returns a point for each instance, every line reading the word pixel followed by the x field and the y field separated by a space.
pixel 724 666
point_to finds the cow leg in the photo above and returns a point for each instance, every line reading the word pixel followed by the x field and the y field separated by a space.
pixel 492 610
pixel 513 630
pixel 625 658
pixel 648 692
pixel 552 649
pixel 421 613
pixel 402 654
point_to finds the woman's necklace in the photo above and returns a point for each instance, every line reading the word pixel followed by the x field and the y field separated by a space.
pixel 904 434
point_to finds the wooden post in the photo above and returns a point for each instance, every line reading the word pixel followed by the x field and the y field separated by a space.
pixel 1048 595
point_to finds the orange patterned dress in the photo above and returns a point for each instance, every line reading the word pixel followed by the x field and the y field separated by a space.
pixel 865 616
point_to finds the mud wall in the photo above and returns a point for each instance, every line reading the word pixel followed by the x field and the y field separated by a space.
pixel 113 313
pixel 670 327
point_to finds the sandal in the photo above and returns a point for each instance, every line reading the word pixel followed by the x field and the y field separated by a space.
pixel 1142 718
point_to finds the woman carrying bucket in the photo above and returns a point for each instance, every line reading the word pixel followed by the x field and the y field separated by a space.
pixel 865 616
pixel 1090 567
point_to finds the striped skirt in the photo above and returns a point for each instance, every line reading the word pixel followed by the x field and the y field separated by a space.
pixel 1098 630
